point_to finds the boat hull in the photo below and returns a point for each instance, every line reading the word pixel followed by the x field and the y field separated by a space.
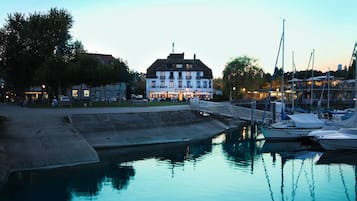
pixel 285 133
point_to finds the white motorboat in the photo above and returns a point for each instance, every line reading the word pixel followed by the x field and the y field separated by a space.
pixel 332 127
pixel 346 136
pixel 298 126
pixel 342 139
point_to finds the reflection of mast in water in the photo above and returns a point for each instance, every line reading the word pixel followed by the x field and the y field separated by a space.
pixel 302 172
pixel 343 182
pixel 348 157
pixel 268 179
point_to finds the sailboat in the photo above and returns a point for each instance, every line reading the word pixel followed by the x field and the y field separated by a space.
pixel 297 125
pixel 344 138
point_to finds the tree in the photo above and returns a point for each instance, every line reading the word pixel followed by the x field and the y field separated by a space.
pixel 241 74
pixel 218 83
pixel 88 69
pixel 38 41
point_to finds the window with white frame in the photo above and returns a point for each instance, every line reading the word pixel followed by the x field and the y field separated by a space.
pixel 153 84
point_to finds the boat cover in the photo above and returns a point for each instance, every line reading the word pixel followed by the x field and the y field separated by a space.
pixel 306 120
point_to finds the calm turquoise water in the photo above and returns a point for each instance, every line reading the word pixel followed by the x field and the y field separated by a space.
pixel 228 167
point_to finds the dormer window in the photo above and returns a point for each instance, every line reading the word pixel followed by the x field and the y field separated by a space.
pixel 189 66
pixel 179 65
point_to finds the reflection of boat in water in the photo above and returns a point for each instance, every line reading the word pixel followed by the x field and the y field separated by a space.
pixel 281 146
pixel 341 156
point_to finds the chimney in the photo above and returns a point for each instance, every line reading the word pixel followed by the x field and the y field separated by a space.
pixel 194 57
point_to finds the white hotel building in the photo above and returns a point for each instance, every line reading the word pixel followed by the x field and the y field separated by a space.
pixel 177 78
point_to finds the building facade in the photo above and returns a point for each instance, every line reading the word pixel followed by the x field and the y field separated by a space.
pixel 177 78
pixel 108 93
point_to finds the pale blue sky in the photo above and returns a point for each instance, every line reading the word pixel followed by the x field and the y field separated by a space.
pixel 216 31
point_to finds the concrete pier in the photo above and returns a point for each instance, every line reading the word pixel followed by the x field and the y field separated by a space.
pixel 46 138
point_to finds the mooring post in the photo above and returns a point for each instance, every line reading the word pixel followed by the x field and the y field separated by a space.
pixel 273 111
pixel 252 120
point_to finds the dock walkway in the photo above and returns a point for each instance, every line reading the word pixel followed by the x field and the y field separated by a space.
pixel 228 110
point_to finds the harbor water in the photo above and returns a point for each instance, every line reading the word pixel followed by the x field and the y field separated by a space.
pixel 227 167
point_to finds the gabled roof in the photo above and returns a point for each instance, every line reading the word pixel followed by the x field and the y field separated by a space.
pixel 169 64
pixel 103 58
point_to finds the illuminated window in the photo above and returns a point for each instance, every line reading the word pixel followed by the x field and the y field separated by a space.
pixel 171 84
pixel 86 93
pixel 189 66
pixel 75 93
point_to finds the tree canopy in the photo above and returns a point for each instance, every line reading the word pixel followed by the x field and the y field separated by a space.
pixel 242 72
pixel 28 43
pixel 38 49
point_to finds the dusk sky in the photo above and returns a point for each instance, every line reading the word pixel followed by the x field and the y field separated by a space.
pixel 216 31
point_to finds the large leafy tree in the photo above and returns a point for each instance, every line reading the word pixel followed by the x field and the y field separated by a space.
pixel 90 70
pixel 242 73
pixel 36 42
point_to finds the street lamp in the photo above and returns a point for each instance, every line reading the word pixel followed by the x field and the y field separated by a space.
pixel 230 95
pixel 43 90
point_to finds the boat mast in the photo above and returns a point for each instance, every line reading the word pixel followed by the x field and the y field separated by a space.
pixel 354 54
pixel 328 89
pixel 293 83
pixel 312 79
pixel 282 68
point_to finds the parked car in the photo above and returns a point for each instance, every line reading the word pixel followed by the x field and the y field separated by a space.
pixel 65 101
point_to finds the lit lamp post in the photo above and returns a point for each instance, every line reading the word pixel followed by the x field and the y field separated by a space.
pixel 43 90
pixel 234 91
